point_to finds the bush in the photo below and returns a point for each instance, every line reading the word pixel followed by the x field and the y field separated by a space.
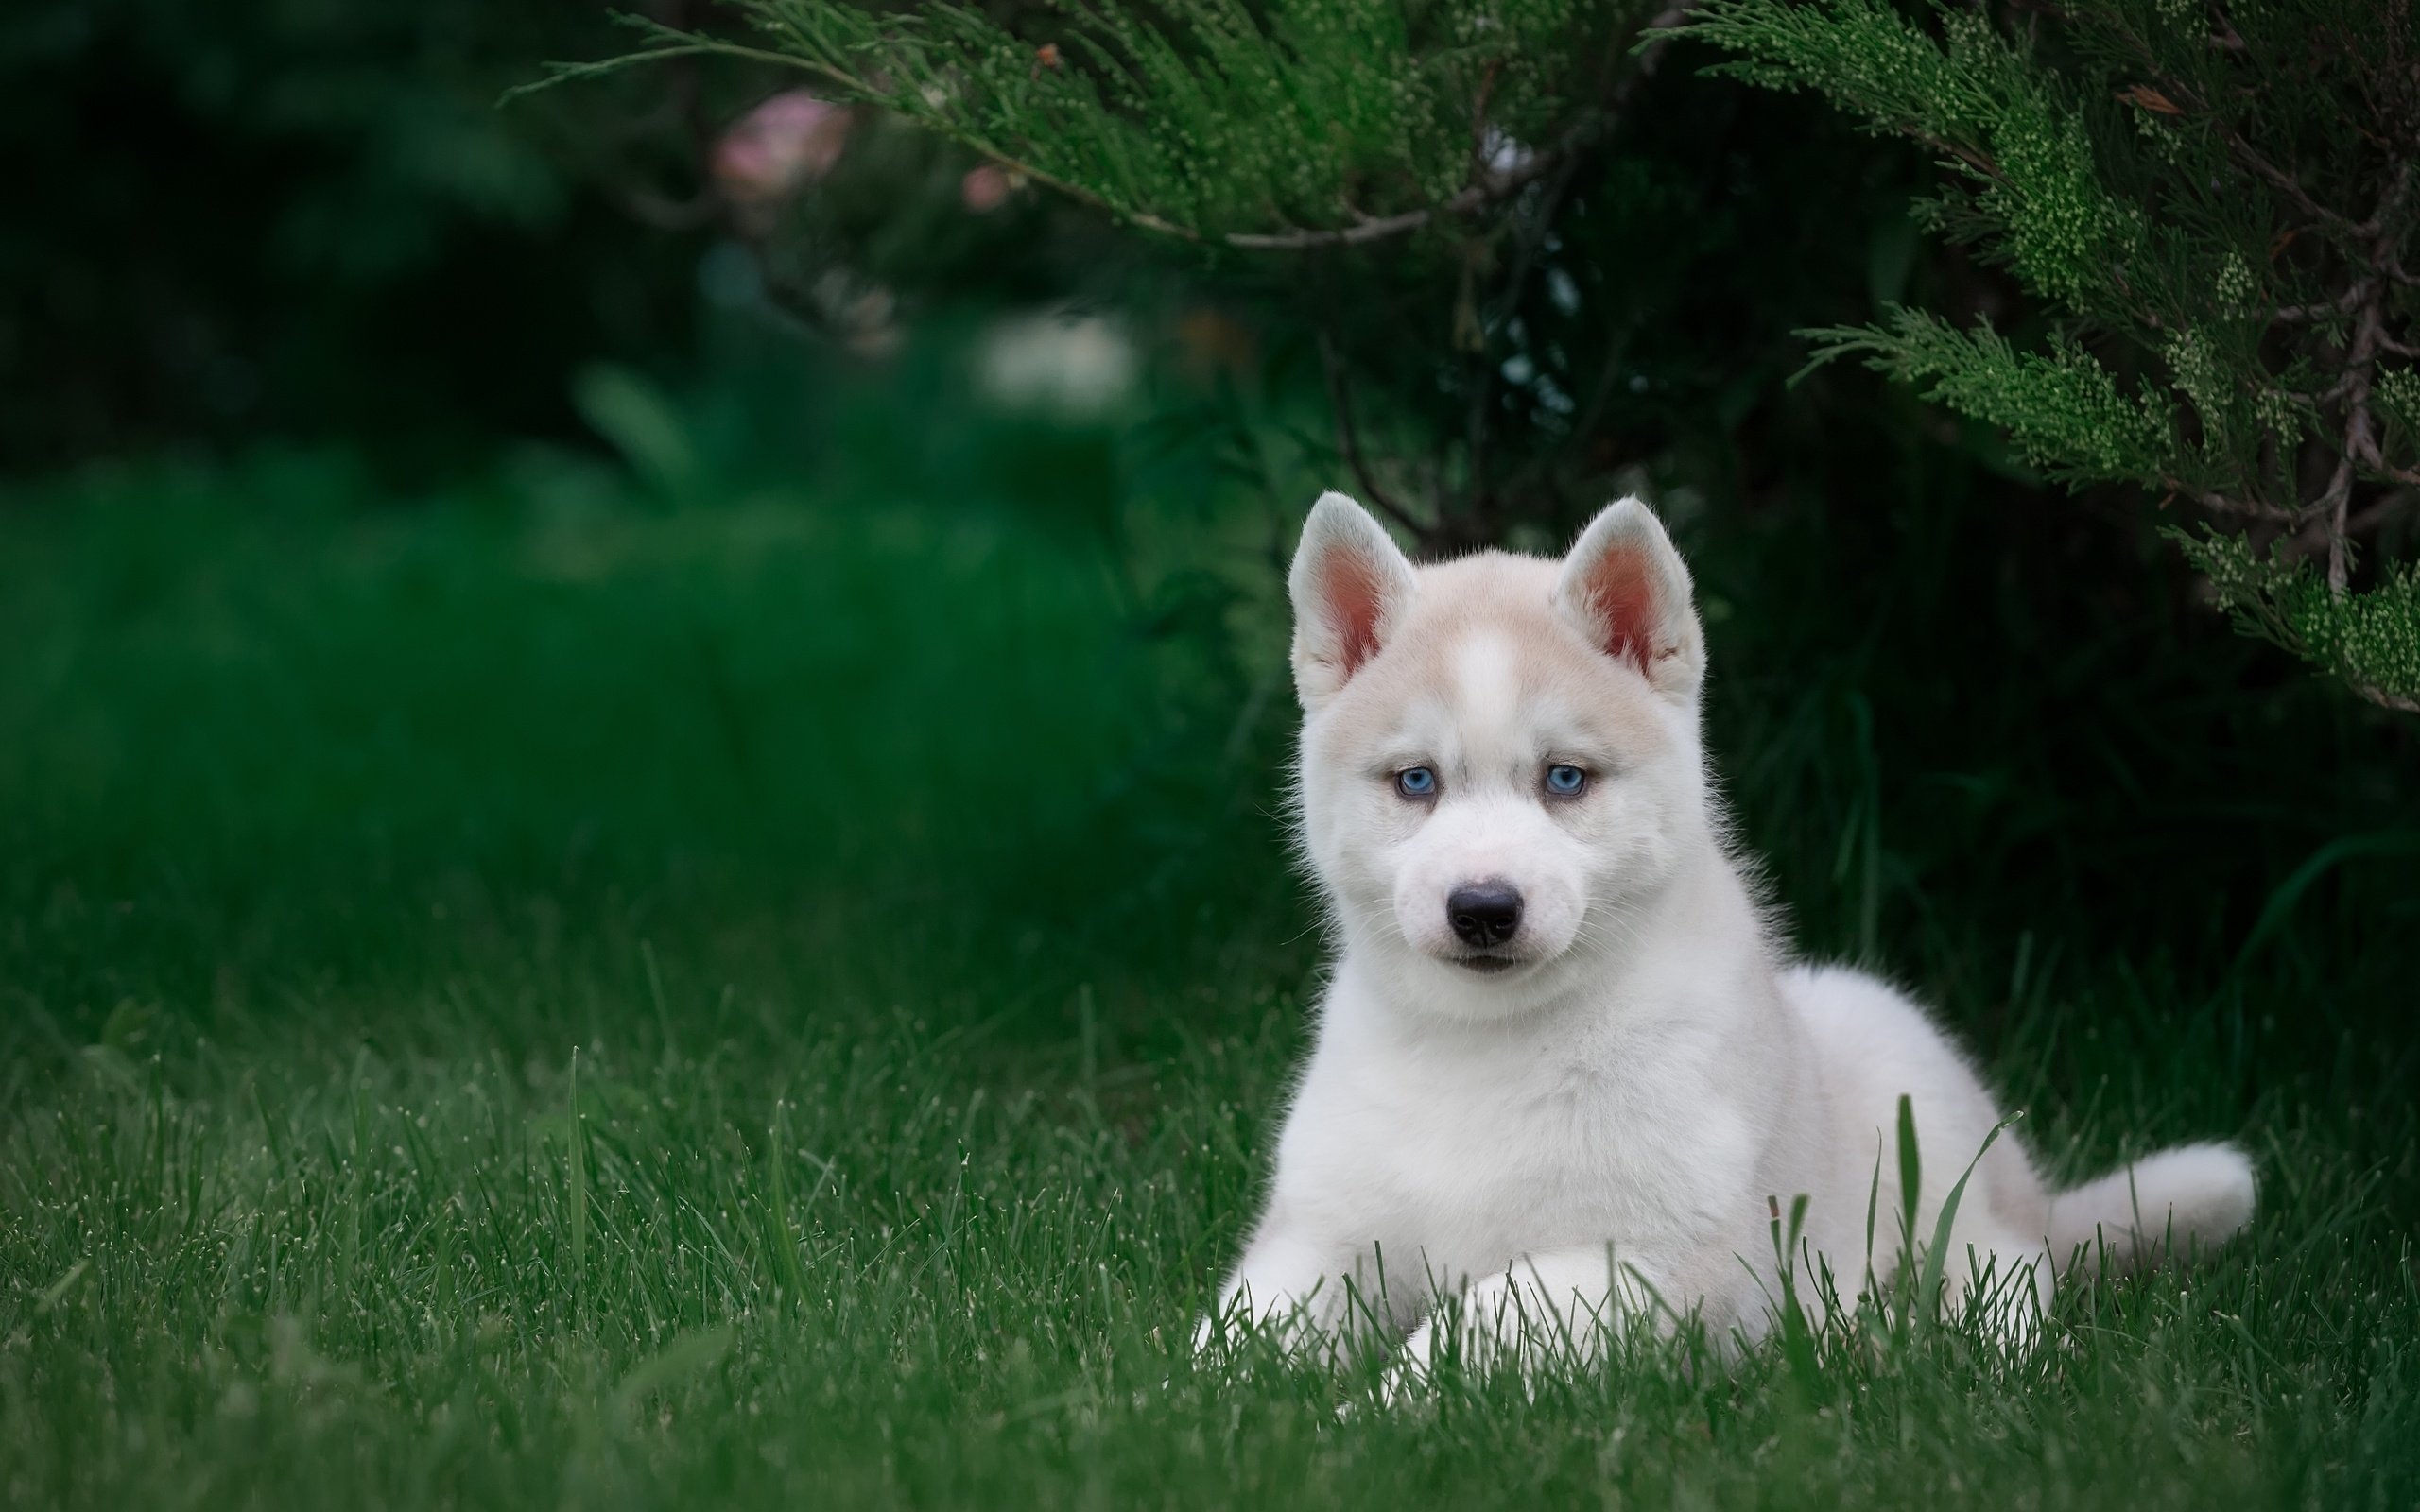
pixel 2214 208
pixel 1505 221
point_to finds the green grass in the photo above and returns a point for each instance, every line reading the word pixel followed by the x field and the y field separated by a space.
pixel 535 997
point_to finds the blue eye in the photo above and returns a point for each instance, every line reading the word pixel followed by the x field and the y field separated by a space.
pixel 1565 782
pixel 1416 781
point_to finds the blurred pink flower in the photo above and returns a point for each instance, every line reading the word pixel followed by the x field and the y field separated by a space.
pixel 770 152
pixel 984 189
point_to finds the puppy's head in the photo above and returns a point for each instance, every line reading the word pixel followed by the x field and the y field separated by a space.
pixel 1500 755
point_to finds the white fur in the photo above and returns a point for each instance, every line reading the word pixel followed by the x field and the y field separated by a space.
pixel 1599 1130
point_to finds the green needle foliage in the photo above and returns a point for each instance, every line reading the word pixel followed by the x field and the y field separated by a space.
pixel 1299 123
pixel 2210 207
pixel 1460 205
pixel 2214 206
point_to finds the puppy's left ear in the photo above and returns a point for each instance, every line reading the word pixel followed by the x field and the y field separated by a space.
pixel 1350 584
pixel 1628 592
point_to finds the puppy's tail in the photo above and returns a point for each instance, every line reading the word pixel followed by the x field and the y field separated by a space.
pixel 2191 1198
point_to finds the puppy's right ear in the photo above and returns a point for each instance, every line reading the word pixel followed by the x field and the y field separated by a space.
pixel 1350 584
pixel 1628 592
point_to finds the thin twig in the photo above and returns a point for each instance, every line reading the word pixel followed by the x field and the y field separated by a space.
pixel 2344 304
pixel 2182 94
pixel 2360 359
pixel 1485 189
pixel 1532 228
pixel 1489 187
pixel 852 85
pixel 2285 184
pixel 2361 370
pixel 1348 440
pixel 2381 697
pixel 1478 121
pixel 2246 508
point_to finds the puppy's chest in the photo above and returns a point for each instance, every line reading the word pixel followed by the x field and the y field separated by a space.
pixel 1567 1145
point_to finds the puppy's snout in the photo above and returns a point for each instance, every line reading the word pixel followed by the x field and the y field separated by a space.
pixel 1484 914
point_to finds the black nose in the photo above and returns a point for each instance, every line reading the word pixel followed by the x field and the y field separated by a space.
pixel 1485 914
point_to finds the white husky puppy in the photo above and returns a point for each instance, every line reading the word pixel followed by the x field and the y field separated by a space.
pixel 1563 1074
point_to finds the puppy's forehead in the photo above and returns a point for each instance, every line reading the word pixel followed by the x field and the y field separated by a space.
pixel 1481 657
pixel 1483 632
pixel 1483 682
pixel 1503 687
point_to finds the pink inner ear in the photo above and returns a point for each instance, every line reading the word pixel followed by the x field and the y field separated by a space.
pixel 1351 589
pixel 1622 590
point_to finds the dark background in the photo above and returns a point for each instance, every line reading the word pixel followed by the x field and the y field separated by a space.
pixel 305 229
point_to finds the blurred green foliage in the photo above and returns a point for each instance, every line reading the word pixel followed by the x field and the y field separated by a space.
pixel 308 218
pixel 1527 273
pixel 1501 221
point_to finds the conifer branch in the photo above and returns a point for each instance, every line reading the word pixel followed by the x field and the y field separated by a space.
pixel 1489 187
pixel 2257 366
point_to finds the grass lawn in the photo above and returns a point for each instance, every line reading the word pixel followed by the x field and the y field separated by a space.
pixel 530 998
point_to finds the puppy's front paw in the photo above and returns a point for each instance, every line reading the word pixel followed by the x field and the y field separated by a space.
pixel 2012 1320
pixel 1409 1375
